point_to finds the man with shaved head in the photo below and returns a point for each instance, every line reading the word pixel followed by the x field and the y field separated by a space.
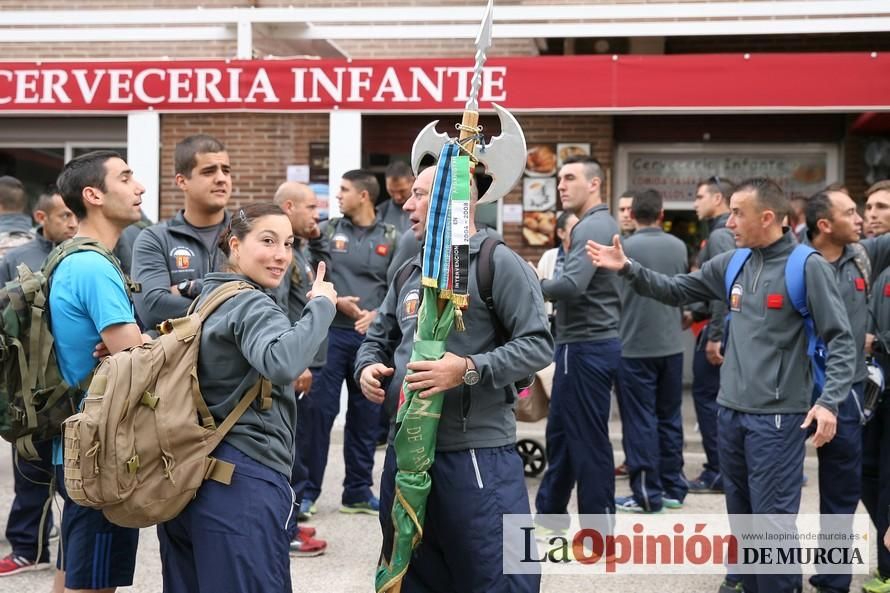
pixel 361 250
pixel 299 202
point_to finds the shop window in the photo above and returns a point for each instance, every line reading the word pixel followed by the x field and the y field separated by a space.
pixel 37 167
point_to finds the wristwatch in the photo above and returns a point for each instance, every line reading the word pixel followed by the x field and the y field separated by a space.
pixel 471 376
pixel 627 265
pixel 183 287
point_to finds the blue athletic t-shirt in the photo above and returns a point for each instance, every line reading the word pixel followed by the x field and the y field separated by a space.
pixel 87 296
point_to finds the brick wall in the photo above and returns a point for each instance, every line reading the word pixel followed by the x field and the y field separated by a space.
pixel 120 4
pixel 28 52
pixel 433 48
pixel 260 147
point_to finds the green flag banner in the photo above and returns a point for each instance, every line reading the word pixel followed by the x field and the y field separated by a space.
pixel 418 418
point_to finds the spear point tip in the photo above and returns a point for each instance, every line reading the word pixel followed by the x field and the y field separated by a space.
pixel 483 39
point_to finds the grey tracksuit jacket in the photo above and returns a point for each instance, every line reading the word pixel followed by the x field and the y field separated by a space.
pixel 481 417
pixel 588 299
pixel 16 222
pixel 249 336
pixel 391 213
pixel 766 368
pixel 648 328
pixel 359 259
pixel 852 287
pixel 164 255
pixel 720 240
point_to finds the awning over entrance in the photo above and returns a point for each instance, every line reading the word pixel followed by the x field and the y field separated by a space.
pixel 621 83
pixel 872 123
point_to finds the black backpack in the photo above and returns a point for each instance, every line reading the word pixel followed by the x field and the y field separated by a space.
pixel 484 278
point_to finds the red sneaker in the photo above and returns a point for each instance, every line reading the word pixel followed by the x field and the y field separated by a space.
pixel 306 546
pixel 621 471
pixel 306 531
pixel 12 564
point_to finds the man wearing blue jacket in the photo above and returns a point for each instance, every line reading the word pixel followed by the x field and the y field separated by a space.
pixel 361 250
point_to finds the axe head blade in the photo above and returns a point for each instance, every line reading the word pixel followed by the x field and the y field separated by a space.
pixel 504 156
pixel 429 141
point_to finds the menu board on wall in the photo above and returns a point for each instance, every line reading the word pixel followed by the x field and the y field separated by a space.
pixel 675 174
pixel 319 162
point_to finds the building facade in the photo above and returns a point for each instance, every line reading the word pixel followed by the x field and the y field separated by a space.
pixel 662 93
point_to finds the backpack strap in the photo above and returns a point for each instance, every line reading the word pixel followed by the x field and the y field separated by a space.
pixel 484 280
pixel 403 275
pixel 189 328
pixel 736 263
pixel 391 235
pixel 216 469
pixel 219 296
pixel 331 227
pixel 733 269
pixel 76 245
pixel 795 284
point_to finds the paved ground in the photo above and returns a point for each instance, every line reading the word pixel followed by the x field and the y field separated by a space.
pixel 354 541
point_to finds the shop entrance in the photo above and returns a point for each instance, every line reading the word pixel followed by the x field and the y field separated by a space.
pixel 34 150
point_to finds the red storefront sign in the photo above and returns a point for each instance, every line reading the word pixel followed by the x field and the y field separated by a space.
pixel 838 81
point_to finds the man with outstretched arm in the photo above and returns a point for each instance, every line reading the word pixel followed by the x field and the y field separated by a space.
pixel 765 385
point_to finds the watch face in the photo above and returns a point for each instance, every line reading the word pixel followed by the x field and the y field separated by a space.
pixel 471 377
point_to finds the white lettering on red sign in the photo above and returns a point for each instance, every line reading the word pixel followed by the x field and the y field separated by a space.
pixel 176 84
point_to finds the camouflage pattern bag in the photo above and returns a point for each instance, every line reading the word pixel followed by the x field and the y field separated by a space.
pixel 10 239
pixel 34 399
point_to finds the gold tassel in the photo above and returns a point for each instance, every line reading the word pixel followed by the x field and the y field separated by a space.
pixel 459 320
pixel 461 301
